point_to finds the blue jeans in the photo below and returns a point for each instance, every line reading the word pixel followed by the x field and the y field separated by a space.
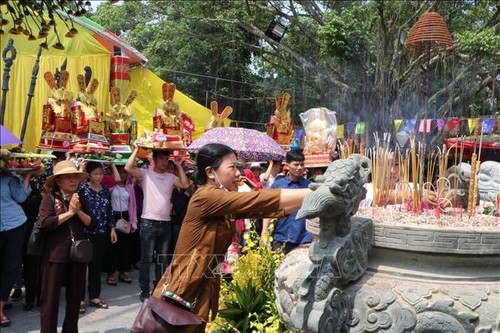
pixel 155 236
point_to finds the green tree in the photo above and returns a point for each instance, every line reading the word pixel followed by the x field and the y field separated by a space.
pixel 346 55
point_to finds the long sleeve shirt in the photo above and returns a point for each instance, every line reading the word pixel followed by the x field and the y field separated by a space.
pixel 12 194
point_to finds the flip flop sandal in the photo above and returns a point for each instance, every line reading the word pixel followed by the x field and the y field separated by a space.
pixel 82 308
pixel 111 281
pixel 100 304
pixel 125 279
pixel 4 321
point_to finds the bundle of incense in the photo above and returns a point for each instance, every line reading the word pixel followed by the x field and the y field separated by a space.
pixel 375 169
pixel 414 174
pixel 476 170
pixel 442 167
pixel 404 167
pixel 470 201
pixel 388 176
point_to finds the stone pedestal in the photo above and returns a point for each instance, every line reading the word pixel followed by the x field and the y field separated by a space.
pixel 417 280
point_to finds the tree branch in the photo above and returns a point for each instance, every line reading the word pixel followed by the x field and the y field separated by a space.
pixel 298 57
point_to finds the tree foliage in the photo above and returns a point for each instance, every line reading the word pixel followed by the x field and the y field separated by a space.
pixel 346 55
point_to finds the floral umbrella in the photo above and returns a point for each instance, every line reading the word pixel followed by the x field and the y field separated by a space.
pixel 248 143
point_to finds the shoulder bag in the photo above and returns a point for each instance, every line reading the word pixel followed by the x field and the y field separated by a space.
pixel 123 225
pixel 81 249
pixel 157 316
pixel 36 242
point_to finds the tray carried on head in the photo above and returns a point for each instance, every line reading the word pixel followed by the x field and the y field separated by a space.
pixel 21 170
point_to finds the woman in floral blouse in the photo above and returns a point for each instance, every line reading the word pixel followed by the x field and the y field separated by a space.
pixel 99 199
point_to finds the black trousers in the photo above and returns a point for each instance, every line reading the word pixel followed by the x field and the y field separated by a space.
pixel 118 255
pixel 99 242
pixel 11 254
pixel 55 275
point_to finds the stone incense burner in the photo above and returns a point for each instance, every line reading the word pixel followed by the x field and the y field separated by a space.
pixel 369 276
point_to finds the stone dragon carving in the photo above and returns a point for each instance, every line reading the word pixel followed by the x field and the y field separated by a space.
pixel 338 258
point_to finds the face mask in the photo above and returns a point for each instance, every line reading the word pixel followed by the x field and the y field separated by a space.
pixel 222 187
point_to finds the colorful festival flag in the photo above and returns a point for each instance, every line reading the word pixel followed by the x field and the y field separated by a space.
pixel 350 127
pixel 397 123
pixel 409 125
pixel 360 128
pixel 425 125
pixel 452 123
pixel 488 125
pixel 340 131
pixel 440 124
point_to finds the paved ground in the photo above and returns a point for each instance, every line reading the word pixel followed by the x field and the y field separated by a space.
pixel 123 301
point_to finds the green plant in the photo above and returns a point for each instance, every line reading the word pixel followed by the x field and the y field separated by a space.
pixel 248 300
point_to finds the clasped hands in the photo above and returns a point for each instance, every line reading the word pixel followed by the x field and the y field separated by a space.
pixel 74 204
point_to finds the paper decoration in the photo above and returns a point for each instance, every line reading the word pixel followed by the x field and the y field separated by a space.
pixel 360 128
pixel 397 124
pixel 440 124
pixel 340 131
pixel 488 125
pixel 402 138
pixel 452 123
pixel 409 125
pixel 350 127
pixel 471 122
pixel 425 125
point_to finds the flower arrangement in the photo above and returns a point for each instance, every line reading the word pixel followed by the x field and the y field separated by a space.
pixel 248 300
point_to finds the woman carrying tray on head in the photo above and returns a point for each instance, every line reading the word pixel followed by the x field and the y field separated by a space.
pixel 12 232
pixel 209 226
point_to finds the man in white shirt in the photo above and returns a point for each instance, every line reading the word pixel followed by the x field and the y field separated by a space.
pixel 155 228
pixel 267 178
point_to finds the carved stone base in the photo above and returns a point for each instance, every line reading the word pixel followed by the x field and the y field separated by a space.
pixel 425 280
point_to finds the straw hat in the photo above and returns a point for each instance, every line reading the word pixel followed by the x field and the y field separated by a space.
pixel 65 168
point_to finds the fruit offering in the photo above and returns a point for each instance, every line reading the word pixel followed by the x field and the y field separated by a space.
pixel 18 158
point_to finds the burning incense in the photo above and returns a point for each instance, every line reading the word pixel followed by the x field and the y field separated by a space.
pixel 414 171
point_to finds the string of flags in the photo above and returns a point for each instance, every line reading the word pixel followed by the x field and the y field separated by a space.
pixel 488 126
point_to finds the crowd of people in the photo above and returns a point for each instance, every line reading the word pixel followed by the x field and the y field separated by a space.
pixel 178 212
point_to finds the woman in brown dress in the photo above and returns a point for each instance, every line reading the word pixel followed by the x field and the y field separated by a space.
pixel 209 226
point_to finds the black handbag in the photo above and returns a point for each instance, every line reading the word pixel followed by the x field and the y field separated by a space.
pixel 36 241
pixel 157 316
pixel 81 249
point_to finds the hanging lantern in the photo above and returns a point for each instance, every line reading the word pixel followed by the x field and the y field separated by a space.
pixel 430 33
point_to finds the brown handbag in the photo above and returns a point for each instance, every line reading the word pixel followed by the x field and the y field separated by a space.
pixel 157 316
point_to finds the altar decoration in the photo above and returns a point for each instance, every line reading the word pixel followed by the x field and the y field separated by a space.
pixel 218 118
pixel 280 126
pixel 70 124
pixel 320 125
pixel 120 121
pixel 172 128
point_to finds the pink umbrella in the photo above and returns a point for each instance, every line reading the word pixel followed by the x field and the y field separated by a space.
pixel 7 138
pixel 248 143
